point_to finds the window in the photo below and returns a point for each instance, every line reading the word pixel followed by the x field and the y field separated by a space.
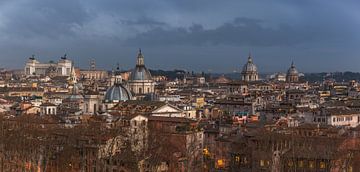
pixel 86 108
pixel 262 163
pixel 290 163
pixel 237 159
pixel 245 161
pixel 220 163
pixel 311 164
pixel 322 165
pixel 300 164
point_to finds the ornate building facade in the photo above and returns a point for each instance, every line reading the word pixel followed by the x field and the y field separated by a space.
pixel 140 81
pixel 61 68
pixel 93 73
pixel 249 71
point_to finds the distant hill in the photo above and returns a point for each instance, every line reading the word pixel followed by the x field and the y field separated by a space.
pixel 169 74
pixel 311 77
pixel 337 76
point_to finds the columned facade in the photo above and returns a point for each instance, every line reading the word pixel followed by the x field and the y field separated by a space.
pixel 61 68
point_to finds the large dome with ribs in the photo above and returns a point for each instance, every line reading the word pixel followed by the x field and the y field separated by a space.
pixel 117 93
pixel 249 67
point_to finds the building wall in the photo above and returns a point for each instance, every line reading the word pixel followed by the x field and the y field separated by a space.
pixel 352 120
pixel 91 104
pixel 144 87
pixel 94 74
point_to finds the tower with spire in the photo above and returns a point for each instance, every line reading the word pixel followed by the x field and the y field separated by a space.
pixel 72 79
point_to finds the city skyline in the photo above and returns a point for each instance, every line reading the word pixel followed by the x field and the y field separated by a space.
pixel 179 85
pixel 276 33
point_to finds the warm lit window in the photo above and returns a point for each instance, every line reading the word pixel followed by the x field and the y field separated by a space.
pixel 220 163
pixel 245 161
pixel 350 169
pixel 262 163
pixel 237 159
pixel 322 165
pixel 290 163
pixel 311 164
pixel 301 164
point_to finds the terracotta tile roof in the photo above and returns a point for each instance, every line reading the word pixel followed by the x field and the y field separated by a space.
pixel 171 119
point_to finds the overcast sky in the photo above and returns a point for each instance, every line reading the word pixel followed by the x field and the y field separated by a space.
pixel 201 35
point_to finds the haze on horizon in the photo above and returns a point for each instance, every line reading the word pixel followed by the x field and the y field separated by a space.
pixel 203 35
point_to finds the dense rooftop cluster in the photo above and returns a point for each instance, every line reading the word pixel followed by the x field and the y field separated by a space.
pixel 55 117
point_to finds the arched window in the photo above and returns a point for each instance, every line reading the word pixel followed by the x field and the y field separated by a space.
pixel 95 108
pixel 140 90
pixel 86 108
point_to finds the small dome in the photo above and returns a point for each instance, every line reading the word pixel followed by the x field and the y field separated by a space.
pixel 140 73
pixel 292 70
pixel 75 93
pixel 117 93
pixel 249 67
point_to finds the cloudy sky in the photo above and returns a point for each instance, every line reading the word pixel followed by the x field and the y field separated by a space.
pixel 201 35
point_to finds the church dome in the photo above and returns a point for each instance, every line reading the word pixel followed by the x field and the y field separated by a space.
pixel 75 93
pixel 249 67
pixel 292 70
pixel 117 93
pixel 140 72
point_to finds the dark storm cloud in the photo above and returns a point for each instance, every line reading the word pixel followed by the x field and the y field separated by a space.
pixel 240 32
pixel 144 21
pixel 51 18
